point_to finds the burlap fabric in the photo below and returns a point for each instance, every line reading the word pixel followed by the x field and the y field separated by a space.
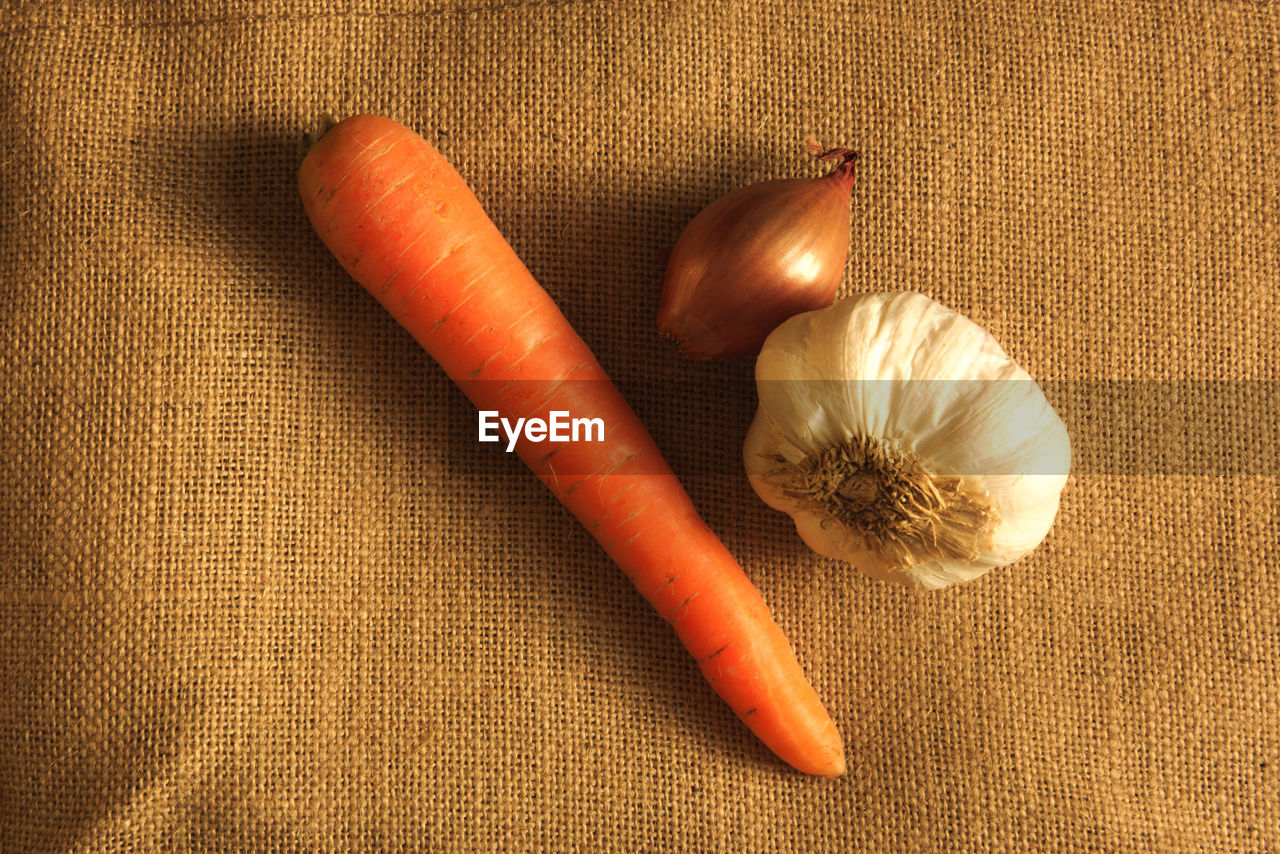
pixel 263 590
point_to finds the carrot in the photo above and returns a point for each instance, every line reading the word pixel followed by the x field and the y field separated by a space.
pixel 403 223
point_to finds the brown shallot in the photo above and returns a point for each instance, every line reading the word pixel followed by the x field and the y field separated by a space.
pixel 757 256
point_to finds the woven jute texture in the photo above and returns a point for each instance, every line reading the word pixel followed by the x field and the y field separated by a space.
pixel 261 589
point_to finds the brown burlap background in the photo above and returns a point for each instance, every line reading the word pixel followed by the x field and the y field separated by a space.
pixel 263 590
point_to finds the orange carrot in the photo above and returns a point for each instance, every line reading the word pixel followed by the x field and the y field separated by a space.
pixel 405 225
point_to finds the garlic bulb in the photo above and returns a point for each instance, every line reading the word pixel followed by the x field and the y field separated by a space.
pixel 901 438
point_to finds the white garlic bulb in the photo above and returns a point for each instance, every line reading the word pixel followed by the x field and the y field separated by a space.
pixel 901 438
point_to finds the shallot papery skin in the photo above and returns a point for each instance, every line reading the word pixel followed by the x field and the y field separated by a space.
pixel 755 257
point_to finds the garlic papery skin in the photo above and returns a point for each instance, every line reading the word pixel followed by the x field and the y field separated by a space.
pixel 901 438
